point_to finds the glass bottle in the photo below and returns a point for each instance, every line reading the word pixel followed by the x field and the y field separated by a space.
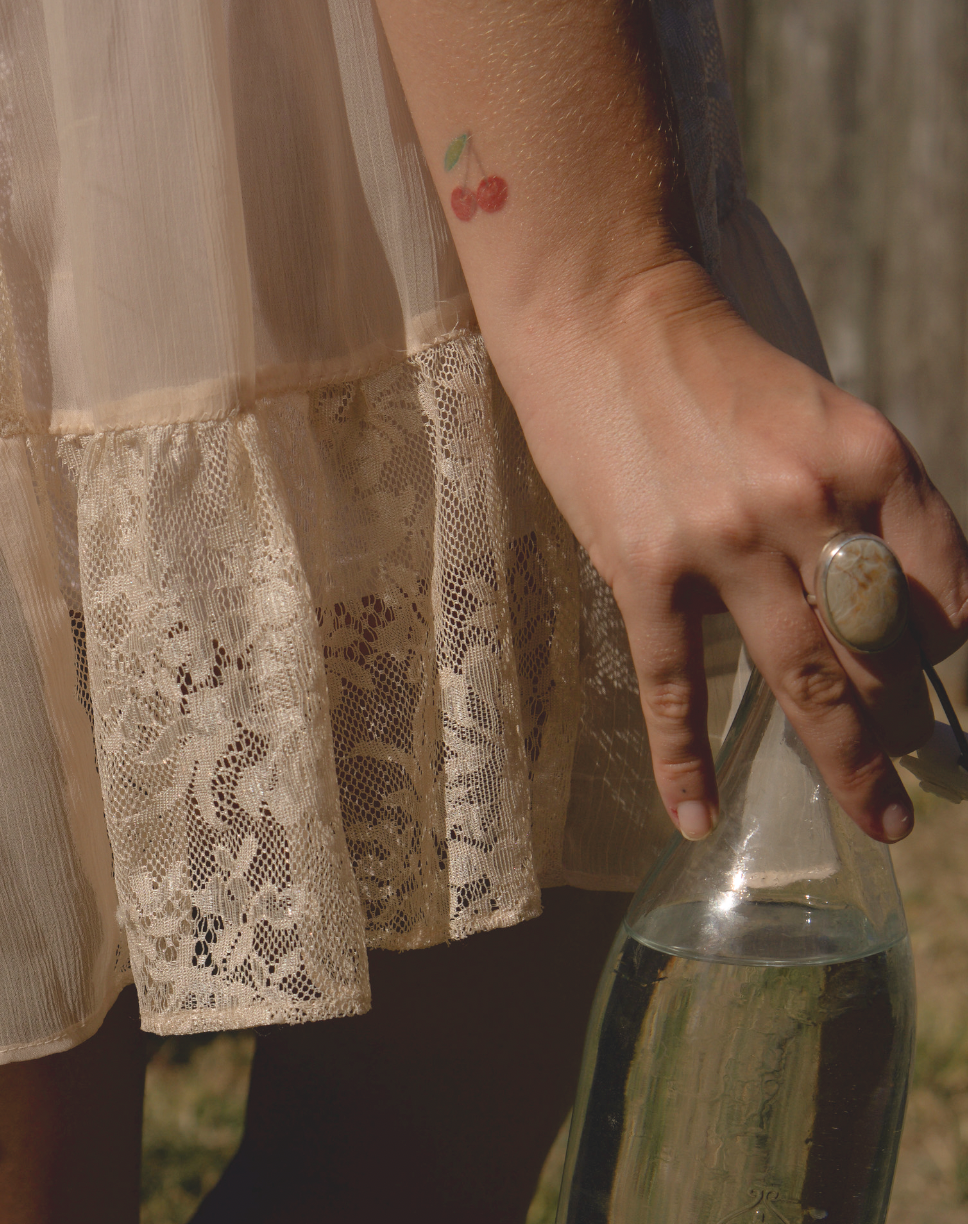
pixel 749 1049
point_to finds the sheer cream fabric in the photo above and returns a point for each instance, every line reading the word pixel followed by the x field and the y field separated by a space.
pixel 270 531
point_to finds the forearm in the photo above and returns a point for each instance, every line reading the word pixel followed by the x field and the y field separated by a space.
pixel 698 466
pixel 561 100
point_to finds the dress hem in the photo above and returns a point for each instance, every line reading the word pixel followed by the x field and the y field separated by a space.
pixel 254 1015
pixel 70 1037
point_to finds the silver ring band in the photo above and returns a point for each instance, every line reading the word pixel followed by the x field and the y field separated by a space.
pixel 861 592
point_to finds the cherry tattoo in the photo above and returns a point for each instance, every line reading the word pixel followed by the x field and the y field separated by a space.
pixel 463 202
pixel 492 191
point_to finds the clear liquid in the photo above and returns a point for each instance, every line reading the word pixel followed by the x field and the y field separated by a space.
pixel 717 1091
pixel 763 932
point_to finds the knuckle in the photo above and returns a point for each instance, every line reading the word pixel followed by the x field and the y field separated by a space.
pixel 957 600
pixel 668 702
pixel 798 492
pixel 863 771
pixel 728 524
pixel 879 463
pixel 882 452
pixel 657 559
pixel 815 686
pixel 951 592
pixel 645 568
pixel 675 774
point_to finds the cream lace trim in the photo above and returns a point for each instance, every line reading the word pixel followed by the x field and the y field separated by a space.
pixel 332 649
pixel 210 717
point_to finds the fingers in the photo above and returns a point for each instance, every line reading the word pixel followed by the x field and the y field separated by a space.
pixel 928 542
pixel 887 491
pixel 852 711
pixel 933 553
pixel 786 641
pixel 849 710
pixel 667 648
pixel 891 689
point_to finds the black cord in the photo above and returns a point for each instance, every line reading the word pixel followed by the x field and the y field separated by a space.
pixel 949 711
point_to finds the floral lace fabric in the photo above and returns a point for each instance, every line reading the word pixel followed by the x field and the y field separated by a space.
pixel 332 659
pixel 351 682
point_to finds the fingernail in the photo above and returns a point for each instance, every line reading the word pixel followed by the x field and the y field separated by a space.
pixel 896 822
pixel 695 819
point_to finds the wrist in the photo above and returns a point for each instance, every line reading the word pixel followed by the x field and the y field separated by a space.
pixel 579 274
pixel 651 304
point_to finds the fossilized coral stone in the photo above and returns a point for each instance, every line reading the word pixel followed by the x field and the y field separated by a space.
pixel 864 593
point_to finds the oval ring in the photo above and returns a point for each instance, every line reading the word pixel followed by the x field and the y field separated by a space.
pixel 861 592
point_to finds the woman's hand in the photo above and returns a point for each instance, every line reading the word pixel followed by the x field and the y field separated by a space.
pixel 699 466
pixel 702 468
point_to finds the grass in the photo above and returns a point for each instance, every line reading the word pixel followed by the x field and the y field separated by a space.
pixel 196 1086
pixel 932 870
pixel 194 1109
pixel 545 1202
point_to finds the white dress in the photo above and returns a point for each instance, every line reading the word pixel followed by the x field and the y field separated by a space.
pixel 269 528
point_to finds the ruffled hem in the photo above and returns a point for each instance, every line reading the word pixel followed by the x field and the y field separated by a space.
pixel 350 679
pixel 226 1018
pixel 68 1038
pixel 329 649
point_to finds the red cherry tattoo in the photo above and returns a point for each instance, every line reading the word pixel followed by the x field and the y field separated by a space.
pixel 492 190
pixel 492 193
pixel 464 203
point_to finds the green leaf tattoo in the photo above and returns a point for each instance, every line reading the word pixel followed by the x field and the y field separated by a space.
pixel 454 150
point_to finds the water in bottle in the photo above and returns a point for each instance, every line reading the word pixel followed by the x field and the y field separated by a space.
pixel 750 1044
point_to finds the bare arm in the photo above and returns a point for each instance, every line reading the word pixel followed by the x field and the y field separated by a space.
pixel 699 466
pixel 556 104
